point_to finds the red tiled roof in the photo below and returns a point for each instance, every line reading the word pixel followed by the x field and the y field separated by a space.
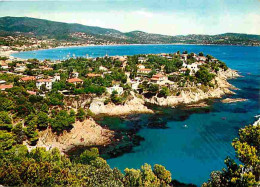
pixel 31 92
pixel 28 78
pixel 145 69
pixel 158 76
pixel 4 86
pixel 74 80
pixel 44 80
pixel 93 75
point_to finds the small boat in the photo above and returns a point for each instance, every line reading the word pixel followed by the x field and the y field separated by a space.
pixel 186 126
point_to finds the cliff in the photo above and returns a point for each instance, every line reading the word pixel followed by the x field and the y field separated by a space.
pixel 135 105
pixel 86 133
pixel 196 94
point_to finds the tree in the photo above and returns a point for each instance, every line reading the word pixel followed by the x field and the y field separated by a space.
pixel 81 114
pixel 164 91
pixel 62 121
pixel 19 133
pixel 162 173
pixel 88 155
pixel 153 88
pixel 42 120
pixel 201 54
pixel 247 151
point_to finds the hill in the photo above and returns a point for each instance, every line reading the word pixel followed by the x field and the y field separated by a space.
pixel 76 32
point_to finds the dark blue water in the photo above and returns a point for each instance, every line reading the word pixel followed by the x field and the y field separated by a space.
pixel 190 153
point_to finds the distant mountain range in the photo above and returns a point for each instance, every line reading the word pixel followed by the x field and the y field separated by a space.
pixel 76 32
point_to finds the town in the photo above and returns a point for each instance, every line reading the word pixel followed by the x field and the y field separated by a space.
pixel 163 73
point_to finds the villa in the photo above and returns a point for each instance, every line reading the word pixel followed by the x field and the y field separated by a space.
pixel 75 81
pixel 27 78
pixel 46 82
pixel 159 78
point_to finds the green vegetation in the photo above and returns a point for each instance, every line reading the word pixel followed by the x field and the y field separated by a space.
pixel 39 167
pixel 247 148
pixel 63 32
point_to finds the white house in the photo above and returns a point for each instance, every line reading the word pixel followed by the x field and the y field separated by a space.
pixel 116 88
pixel 102 68
pixel 193 67
pixel 140 66
pixel 56 78
pixel 75 74
pixel 3 64
pixel 141 59
pixel 46 82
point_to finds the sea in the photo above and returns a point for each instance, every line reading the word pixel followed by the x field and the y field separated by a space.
pixel 192 142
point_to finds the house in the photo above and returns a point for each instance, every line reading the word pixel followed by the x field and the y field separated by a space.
pixel 183 70
pixel 141 59
pixel 116 88
pixel 27 78
pixel 5 86
pixel 2 81
pixel 3 64
pixel 140 66
pixel 202 58
pixel 145 71
pixel 184 56
pixel 102 68
pixel 20 68
pixel 46 82
pixel 75 74
pixel 159 78
pixel 31 92
pixel 75 81
pixel 56 77
pixel 93 75
pixel 192 67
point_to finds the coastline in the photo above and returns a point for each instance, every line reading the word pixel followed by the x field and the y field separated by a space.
pixel 10 52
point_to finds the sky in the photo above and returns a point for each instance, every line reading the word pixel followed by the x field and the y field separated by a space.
pixel 170 17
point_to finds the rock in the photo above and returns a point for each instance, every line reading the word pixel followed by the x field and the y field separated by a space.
pixel 86 133
pixel 135 105
pixel 231 100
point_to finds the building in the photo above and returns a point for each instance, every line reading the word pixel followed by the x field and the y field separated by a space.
pixel 102 68
pixel 3 65
pixel 183 70
pixel 27 78
pixel 158 78
pixel 56 78
pixel 46 82
pixel 75 74
pixel 141 59
pixel 93 75
pixel 2 81
pixel 202 58
pixel 5 86
pixel 116 88
pixel 145 71
pixel 75 81
pixel 140 66
pixel 192 67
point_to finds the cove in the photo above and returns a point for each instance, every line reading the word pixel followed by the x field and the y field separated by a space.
pixel 195 142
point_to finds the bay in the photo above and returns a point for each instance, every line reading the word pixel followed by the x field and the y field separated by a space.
pixel 195 143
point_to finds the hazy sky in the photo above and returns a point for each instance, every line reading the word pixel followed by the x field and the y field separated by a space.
pixel 172 17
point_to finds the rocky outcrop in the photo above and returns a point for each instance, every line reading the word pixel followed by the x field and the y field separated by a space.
pixel 86 133
pixel 233 100
pixel 196 94
pixel 135 105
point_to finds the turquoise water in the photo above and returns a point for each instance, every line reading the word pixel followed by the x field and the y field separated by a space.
pixel 191 152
